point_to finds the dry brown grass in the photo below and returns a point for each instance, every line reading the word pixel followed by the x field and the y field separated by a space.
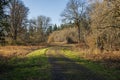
pixel 12 51
pixel 110 59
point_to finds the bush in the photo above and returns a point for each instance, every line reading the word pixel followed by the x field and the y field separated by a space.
pixel 67 35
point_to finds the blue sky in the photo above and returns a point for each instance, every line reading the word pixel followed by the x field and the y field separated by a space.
pixel 49 8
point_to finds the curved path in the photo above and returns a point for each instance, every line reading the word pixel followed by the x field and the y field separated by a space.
pixel 64 68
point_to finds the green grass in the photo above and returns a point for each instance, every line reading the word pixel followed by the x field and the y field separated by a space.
pixel 109 74
pixel 33 66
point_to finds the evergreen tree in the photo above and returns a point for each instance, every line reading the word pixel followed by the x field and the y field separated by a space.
pixel 55 27
pixel 3 23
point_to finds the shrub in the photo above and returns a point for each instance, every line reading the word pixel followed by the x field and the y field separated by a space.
pixel 68 35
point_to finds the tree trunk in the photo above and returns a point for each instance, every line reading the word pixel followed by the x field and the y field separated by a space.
pixel 15 36
pixel 78 33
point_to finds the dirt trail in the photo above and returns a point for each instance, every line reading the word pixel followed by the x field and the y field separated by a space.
pixel 65 69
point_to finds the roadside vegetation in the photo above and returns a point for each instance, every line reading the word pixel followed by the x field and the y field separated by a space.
pixel 33 66
pixel 95 66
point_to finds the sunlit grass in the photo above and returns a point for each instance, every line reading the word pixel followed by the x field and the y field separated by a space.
pixel 33 66
pixel 110 74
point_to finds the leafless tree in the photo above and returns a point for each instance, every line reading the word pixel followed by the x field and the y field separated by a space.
pixel 43 23
pixel 18 14
pixel 38 29
pixel 75 12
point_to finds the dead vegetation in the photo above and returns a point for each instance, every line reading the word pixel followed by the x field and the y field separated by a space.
pixel 12 51
pixel 67 35
pixel 110 59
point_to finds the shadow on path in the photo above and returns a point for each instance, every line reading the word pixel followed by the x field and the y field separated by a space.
pixel 67 69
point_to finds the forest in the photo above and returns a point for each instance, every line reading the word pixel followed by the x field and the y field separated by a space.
pixel 87 41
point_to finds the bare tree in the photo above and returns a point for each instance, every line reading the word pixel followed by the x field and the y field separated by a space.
pixel 38 29
pixel 43 24
pixel 18 14
pixel 75 12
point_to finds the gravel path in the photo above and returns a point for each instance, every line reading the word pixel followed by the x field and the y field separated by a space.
pixel 64 68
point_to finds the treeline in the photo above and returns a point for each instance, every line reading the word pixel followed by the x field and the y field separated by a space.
pixel 16 28
pixel 97 24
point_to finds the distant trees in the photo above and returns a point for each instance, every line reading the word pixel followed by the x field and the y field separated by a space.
pixel 55 27
pixel 67 25
pixel 49 30
pixel 75 12
pixel 39 29
pixel 43 23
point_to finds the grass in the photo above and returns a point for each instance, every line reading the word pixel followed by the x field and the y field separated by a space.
pixel 33 66
pixel 109 74
pixel 16 63
pixel 12 51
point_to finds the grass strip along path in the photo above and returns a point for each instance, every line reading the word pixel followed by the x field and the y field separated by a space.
pixel 33 66
pixel 65 68
pixel 109 74
pixel 54 63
